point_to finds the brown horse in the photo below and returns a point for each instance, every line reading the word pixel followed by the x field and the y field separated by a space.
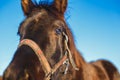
pixel 47 50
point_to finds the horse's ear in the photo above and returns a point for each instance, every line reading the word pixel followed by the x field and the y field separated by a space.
pixel 27 6
pixel 61 5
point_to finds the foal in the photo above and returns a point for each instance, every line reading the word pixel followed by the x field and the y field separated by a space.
pixel 47 50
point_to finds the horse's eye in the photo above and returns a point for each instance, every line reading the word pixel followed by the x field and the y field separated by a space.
pixel 58 31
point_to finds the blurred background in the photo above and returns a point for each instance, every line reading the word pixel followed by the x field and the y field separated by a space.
pixel 95 25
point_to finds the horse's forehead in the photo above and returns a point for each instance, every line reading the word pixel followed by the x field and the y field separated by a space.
pixel 35 17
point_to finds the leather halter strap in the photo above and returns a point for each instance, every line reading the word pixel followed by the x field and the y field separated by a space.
pixel 45 65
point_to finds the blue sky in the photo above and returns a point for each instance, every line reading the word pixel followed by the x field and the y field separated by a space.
pixel 94 23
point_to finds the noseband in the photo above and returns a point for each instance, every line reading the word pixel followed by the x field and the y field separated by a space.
pixel 66 59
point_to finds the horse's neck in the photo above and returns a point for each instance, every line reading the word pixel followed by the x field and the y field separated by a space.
pixel 80 63
pixel 79 60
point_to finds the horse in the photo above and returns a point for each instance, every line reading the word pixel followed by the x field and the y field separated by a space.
pixel 47 50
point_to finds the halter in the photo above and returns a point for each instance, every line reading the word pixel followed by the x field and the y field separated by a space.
pixel 66 59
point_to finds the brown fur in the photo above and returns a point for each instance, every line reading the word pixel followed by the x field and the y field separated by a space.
pixel 46 30
pixel 0 77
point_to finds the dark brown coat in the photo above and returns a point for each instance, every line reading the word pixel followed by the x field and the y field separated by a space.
pixel 46 30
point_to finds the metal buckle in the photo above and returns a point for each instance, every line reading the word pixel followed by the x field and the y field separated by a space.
pixel 66 62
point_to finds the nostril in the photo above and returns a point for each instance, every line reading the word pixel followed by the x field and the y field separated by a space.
pixel 23 75
pixel 26 75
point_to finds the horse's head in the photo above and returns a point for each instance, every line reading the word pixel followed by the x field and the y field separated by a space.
pixel 44 24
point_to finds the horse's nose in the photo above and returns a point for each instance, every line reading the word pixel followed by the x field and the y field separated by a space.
pixel 9 74
pixel 24 75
